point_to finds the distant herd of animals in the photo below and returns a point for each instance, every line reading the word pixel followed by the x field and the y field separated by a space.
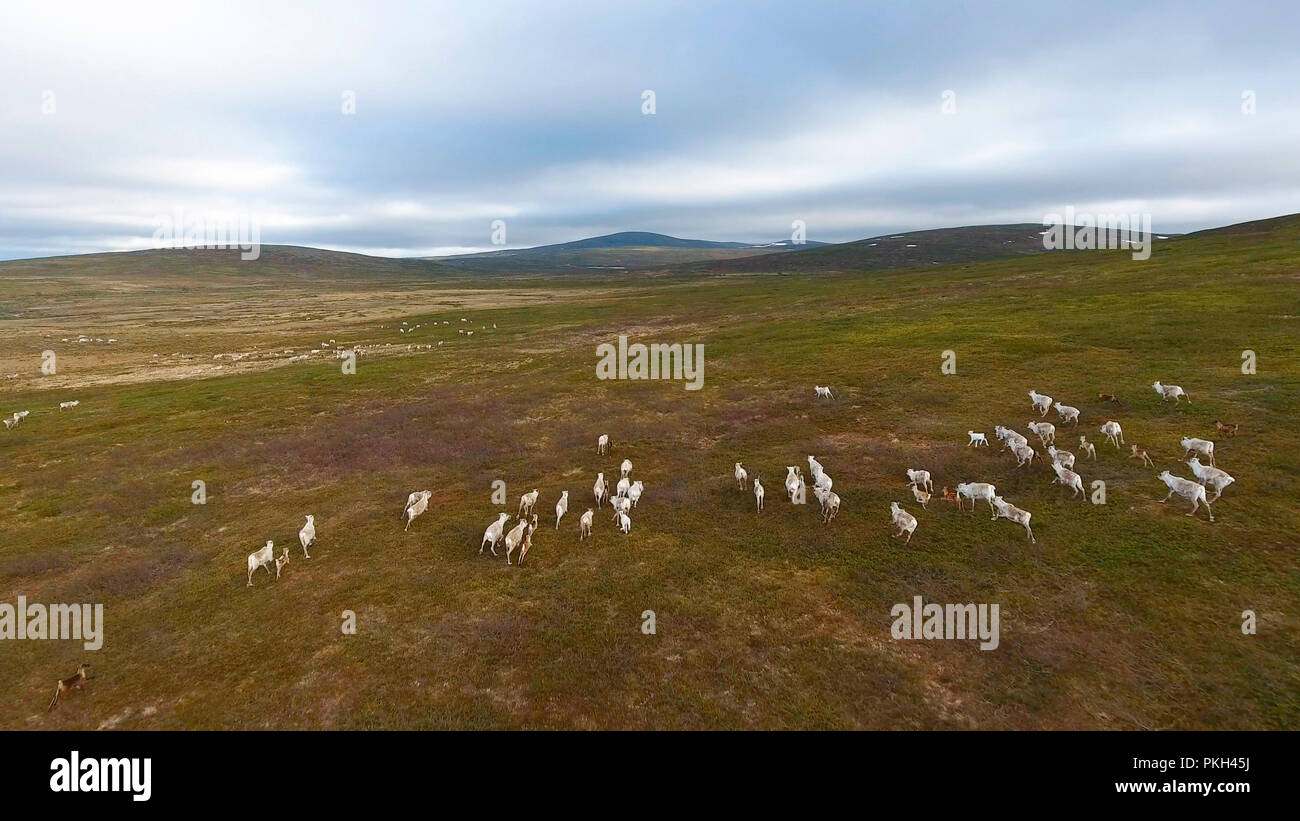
pixel 627 493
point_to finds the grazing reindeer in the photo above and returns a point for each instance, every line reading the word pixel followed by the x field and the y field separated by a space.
pixel 1226 430
pixel 1142 455
pixel 67 685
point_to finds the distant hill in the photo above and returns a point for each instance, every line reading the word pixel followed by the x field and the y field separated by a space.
pixel 627 250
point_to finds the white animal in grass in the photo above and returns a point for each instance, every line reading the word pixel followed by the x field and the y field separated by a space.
pixel 71 404
pixel 1211 477
pixel 21 414
pixel 1171 392
pixel 1068 414
pixel 1068 478
pixel 904 521
pixel 823 481
pixel 624 522
pixel 602 444
pixel 621 504
pixel 561 507
pixel 1024 454
pixel 793 481
pixel 815 468
pixel 307 536
pixel 260 558
pixel 600 489
pixel 1045 431
pixel 1061 457
pixel 494 533
pixel 584 525
pixel 977 439
pixel 625 468
pixel 823 392
pixel 526 502
pixel 920 496
pixel 742 477
pixel 920 478
pixel 1087 447
pixel 515 538
pixel 1113 433
pixel 634 492
pixel 1041 402
pixel 10 424
pixel 416 504
pixel 976 490
pixel 830 503
pixel 1006 510
pixel 1007 435
pixel 1193 492
pixel 1201 447
pixel 758 493
pixel 623 485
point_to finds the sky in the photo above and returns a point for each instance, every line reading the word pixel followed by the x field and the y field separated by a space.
pixel 855 118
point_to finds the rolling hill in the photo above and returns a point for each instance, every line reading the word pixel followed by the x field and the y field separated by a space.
pixel 627 250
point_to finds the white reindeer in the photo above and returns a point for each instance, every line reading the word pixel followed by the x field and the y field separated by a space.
pixel 758 493
pixel 561 507
pixel 977 439
pixel 1045 431
pixel 1006 510
pixel 1211 477
pixel 976 490
pixel 602 444
pixel 1087 447
pixel 623 485
pixel 793 481
pixel 1041 402
pixel 526 502
pixel 71 404
pixel 1068 414
pixel 904 521
pixel 742 477
pixel 1189 490
pixel 493 534
pixel 921 497
pixel 1168 392
pixel 1061 457
pixel 261 558
pixel 584 525
pixel 823 392
pixel 634 492
pixel 626 467
pixel 1201 447
pixel 1114 434
pixel 1024 454
pixel 1068 478
pixel 600 489
pixel 515 538
pixel 920 478
pixel 307 536
pixel 830 503
pixel 624 523
pixel 815 468
pixel 415 505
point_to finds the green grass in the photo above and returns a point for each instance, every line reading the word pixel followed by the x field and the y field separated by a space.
pixel 1122 616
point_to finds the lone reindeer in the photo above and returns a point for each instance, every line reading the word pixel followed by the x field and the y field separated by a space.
pixel 67 685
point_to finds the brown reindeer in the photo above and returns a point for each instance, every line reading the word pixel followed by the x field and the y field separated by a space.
pixel 1226 430
pixel 67 685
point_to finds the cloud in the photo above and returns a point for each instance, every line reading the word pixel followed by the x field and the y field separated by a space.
pixel 765 113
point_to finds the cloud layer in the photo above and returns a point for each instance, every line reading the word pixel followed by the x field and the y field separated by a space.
pixel 115 115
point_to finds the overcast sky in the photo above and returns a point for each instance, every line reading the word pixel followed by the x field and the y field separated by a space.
pixel 531 112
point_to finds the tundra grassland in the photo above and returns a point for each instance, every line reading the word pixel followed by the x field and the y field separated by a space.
pixel 1125 615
